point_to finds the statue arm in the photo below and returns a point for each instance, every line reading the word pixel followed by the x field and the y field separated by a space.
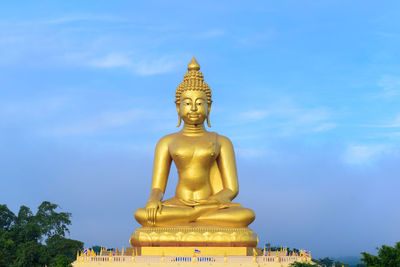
pixel 162 165
pixel 227 166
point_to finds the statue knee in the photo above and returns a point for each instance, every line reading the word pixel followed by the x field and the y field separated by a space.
pixel 251 216
pixel 140 216
pixel 245 217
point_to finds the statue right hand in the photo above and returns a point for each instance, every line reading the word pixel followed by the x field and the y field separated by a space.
pixel 152 207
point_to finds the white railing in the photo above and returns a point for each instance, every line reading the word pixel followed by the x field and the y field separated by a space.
pixel 197 259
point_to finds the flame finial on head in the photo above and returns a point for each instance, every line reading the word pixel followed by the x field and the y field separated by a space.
pixel 193 65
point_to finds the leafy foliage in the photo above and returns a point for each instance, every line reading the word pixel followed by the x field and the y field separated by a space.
pixel 387 256
pixel 96 248
pixel 51 222
pixel 324 262
pixel 340 264
pixel 277 248
pixel 329 262
pixel 31 240
pixel 302 264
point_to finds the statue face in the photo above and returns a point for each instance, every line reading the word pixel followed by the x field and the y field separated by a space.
pixel 193 108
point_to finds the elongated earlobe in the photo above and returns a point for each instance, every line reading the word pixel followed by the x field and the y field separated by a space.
pixel 180 120
pixel 208 115
pixel 179 115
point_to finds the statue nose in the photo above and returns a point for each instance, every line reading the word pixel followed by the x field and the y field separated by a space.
pixel 194 107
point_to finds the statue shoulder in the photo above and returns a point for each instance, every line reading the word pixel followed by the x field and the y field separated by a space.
pixel 223 140
pixel 166 139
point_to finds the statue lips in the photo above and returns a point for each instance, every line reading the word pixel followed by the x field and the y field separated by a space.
pixel 194 115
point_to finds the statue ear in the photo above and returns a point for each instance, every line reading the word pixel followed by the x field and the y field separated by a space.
pixel 178 108
pixel 208 115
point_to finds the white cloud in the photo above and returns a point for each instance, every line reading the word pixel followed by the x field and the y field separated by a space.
pixel 81 17
pixel 392 134
pixel 292 120
pixel 323 127
pixel 364 154
pixel 395 123
pixel 256 38
pixel 33 108
pixel 254 114
pixel 309 116
pixel 111 60
pixel 138 65
pixel 56 44
pixel 390 85
pixel 161 65
pixel 388 34
pixel 213 33
pixel 97 123
pixel 250 152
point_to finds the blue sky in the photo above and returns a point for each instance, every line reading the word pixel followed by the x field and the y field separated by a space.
pixel 308 92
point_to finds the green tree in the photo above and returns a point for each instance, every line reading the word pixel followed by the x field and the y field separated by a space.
pixel 56 244
pixel 7 218
pixel 22 237
pixel 302 264
pixel 340 264
pixel 61 261
pixel 387 256
pixel 30 254
pixel 96 248
pixel 324 262
pixel 52 222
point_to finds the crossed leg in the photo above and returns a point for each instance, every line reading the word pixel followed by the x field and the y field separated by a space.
pixel 209 214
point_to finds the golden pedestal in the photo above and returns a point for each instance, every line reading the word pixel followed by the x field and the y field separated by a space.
pixel 182 240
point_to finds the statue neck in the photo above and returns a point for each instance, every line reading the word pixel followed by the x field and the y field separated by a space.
pixel 193 129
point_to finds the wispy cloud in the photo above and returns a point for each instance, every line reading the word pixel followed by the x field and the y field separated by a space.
pixel 160 65
pixel 292 120
pixel 256 39
pixel 254 115
pixel 56 45
pixel 212 33
pixel 325 127
pixel 82 18
pixel 250 152
pixel 395 123
pixel 388 34
pixel 364 154
pixel 97 123
pixel 157 66
pixel 27 109
pixel 111 60
pixel 390 85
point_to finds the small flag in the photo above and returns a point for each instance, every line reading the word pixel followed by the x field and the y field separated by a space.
pixel 85 251
pixel 196 251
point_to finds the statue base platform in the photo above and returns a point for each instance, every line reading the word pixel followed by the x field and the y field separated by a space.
pixel 189 251
pixel 189 261
pixel 148 240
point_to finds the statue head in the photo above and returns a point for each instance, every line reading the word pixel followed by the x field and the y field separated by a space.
pixel 193 95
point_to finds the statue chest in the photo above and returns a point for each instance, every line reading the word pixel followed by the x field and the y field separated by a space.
pixel 194 150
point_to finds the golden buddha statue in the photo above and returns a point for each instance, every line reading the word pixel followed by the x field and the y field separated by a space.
pixel 206 167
